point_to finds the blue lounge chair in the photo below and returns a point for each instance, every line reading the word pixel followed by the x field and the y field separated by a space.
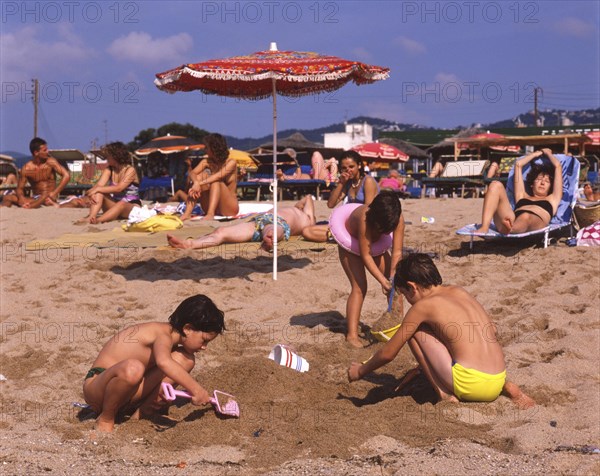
pixel 457 175
pixel 302 186
pixel 562 219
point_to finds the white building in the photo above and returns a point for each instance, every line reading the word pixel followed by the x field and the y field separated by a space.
pixel 355 134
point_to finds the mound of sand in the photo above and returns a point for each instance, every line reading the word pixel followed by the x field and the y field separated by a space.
pixel 59 306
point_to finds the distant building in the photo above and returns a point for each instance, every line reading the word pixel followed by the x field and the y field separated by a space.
pixel 355 134
pixel 565 121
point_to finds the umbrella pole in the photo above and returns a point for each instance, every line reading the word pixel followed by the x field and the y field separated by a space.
pixel 274 181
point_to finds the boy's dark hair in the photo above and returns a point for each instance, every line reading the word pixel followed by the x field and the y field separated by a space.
pixel 384 212
pixel 218 146
pixel 537 169
pixel 200 312
pixel 35 144
pixel 418 268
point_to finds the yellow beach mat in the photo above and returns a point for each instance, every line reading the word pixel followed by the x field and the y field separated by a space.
pixel 117 238
pixel 296 247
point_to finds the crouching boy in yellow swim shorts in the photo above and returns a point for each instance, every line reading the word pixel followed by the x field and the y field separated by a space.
pixel 450 335
pixel 131 366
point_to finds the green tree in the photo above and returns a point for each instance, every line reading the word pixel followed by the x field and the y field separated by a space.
pixel 173 128
pixel 143 136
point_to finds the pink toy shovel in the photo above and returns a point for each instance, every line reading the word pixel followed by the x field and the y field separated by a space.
pixel 229 407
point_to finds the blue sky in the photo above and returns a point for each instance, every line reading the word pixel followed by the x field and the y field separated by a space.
pixel 452 63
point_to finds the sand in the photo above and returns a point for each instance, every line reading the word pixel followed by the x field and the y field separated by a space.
pixel 60 305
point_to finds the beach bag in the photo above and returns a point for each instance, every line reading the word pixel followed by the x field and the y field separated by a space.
pixel 155 223
pixel 589 236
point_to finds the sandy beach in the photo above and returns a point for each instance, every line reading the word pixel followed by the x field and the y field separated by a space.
pixel 60 305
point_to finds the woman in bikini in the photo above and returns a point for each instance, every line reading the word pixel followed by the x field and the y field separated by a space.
pixel 214 181
pixel 117 191
pixel 326 170
pixel 532 212
pixel 354 185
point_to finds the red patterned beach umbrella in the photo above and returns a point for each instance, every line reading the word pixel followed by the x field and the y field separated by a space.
pixel 266 74
pixel 380 152
pixel 490 135
pixel 169 145
pixel 595 136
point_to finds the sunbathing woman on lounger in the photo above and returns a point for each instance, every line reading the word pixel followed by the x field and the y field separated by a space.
pixel 322 169
pixel 532 212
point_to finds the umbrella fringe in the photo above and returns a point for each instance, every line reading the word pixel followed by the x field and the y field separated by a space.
pixel 267 74
pixel 317 89
pixel 364 77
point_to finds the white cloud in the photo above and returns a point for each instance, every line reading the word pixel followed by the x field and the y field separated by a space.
pixel 410 46
pixel 392 111
pixel 571 26
pixel 140 47
pixel 30 52
pixel 361 54
pixel 447 78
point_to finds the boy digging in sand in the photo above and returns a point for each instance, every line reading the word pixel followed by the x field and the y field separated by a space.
pixel 132 365
pixel 450 335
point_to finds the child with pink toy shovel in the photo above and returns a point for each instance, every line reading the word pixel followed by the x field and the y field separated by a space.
pixel 132 365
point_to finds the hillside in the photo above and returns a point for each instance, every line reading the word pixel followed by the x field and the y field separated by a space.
pixel 548 118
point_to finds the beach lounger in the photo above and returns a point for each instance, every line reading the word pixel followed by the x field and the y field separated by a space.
pixel 259 183
pixel 457 175
pixel 504 167
pixel 300 187
pixel 561 221
pixel 261 180
pixel 153 189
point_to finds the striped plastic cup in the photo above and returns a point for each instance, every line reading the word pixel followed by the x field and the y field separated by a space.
pixel 283 355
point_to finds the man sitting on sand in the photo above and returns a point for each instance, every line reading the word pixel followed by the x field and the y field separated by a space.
pixel 290 221
pixel 41 174
pixel 450 335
